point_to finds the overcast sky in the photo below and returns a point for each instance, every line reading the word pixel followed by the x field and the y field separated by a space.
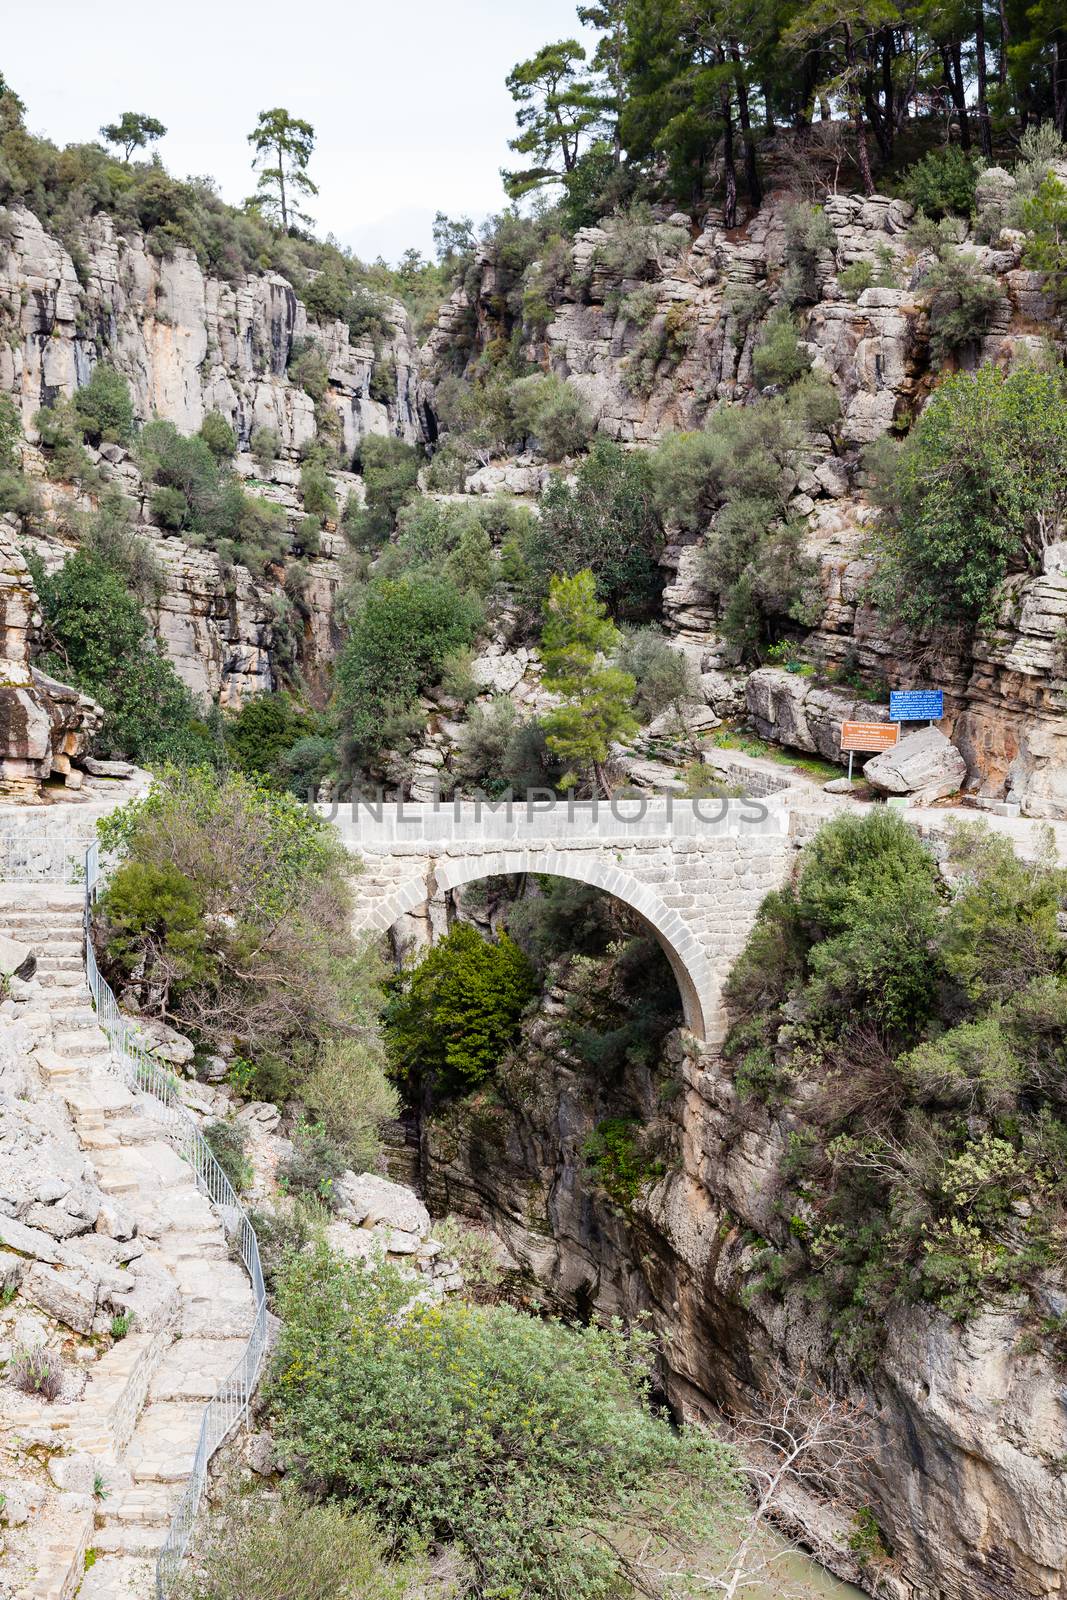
pixel 407 97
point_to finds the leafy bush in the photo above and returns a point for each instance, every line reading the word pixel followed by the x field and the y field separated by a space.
pixel 10 435
pixel 732 481
pixel 228 1143
pixel 316 1161
pixel 962 303
pixel 401 635
pixel 663 675
pixel 968 497
pixel 552 413
pixel 197 495
pixel 316 492
pixel 390 471
pixel 261 735
pixel 265 444
pixel 779 357
pixel 264 918
pixel 96 638
pixel 284 1547
pixel 218 436
pixel 636 245
pixel 307 368
pixel 457 1012
pixel 351 1099
pixel 614 1159
pixel 104 406
pixel 608 522
pixel 533 1449
pixel 1044 218
pixel 59 428
pixel 943 183
pixel 808 235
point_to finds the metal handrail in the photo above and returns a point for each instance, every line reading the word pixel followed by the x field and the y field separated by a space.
pixel 230 1403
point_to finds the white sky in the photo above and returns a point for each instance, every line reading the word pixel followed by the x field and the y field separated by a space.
pixel 407 97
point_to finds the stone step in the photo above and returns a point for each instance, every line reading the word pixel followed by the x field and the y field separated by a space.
pixel 195 1368
pixel 154 1165
pixel 80 1042
pixel 151 1503
pixel 119 1578
pixel 130 1539
pixel 60 958
pixel 56 1068
pixel 60 978
pixel 164 1442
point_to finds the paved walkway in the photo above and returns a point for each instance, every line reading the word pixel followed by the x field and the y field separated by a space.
pixel 134 1430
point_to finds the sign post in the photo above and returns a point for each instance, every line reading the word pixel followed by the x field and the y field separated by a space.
pixel 868 736
pixel 917 705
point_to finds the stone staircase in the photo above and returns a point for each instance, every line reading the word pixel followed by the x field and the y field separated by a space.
pixel 131 1445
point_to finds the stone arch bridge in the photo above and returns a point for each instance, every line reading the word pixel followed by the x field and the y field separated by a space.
pixel 694 871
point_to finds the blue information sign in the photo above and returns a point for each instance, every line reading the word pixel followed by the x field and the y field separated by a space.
pixel 916 705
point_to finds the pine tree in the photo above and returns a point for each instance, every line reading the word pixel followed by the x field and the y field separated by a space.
pixel 284 144
pixel 597 699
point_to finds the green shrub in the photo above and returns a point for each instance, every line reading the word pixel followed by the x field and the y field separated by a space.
pixel 390 471
pixel 967 499
pixel 457 1012
pixel 218 436
pixel 154 912
pixel 196 493
pixel 326 296
pixel 779 357
pixel 275 1546
pixel 400 637
pixel 96 638
pixel 351 1098
pixel 607 521
pixel 228 1142
pixel 10 436
pixel 732 481
pixel 962 303
pixel 105 407
pixel 316 492
pixel 265 444
pixel 500 750
pixel 263 732
pixel 615 1162
pixel 808 235
pixel 925 1026
pixel 307 368
pixel 315 1163
pixel 552 413
pixel 943 183
pixel 1044 218
pixel 512 1449
pixel 664 676
pixel 59 427
pixel 283 976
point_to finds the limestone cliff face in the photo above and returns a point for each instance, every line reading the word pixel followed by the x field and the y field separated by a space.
pixel 189 343
pixel 1005 691
pixel 965 1479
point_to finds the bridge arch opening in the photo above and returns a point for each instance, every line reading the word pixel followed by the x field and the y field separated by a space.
pixel 692 972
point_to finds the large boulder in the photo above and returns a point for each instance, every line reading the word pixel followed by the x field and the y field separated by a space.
pixel 925 765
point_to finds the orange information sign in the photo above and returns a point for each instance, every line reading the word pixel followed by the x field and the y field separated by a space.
pixel 869 735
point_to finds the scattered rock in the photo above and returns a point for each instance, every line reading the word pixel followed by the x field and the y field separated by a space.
pixel 16 960
pixel 367 1200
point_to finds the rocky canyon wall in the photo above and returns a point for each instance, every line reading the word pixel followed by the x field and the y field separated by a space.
pixel 691 348
pixel 964 1477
